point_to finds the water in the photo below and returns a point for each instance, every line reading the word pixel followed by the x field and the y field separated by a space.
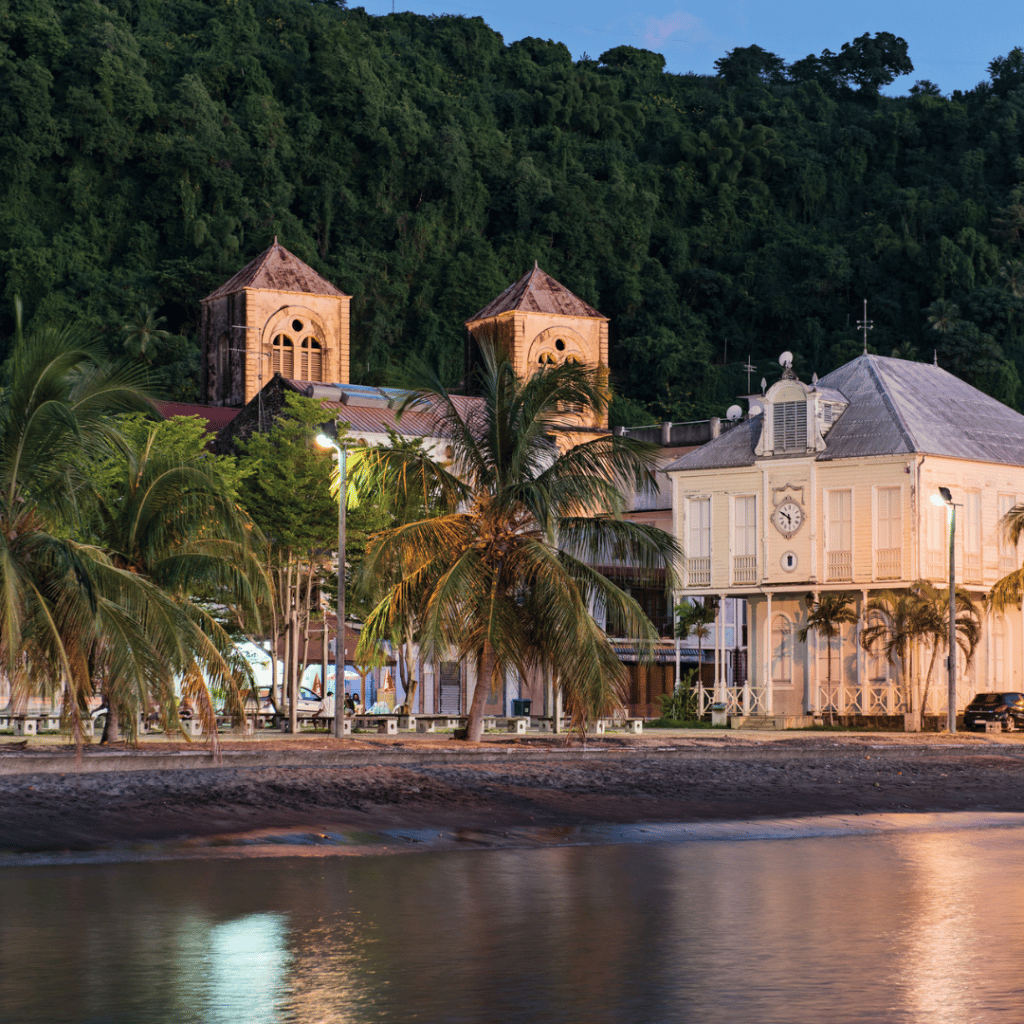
pixel 903 926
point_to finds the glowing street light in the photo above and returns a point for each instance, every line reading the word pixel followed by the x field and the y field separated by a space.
pixel 328 439
pixel 945 497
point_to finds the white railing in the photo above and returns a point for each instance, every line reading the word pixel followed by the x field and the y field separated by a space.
pixel 739 700
pixel 698 571
pixel 840 565
pixel 744 569
pixel 888 563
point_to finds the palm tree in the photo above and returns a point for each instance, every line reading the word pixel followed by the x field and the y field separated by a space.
pixel 171 522
pixel 826 617
pixel 66 610
pixel 936 619
pixel 505 574
pixel 697 618
pixel 1010 589
pixel 912 616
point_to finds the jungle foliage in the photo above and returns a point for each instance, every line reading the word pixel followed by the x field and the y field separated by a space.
pixel 149 149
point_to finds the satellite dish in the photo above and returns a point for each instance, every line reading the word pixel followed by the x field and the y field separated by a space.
pixel 786 359
pixel 733 413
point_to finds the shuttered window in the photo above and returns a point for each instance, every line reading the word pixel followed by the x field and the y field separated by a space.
pixel 790 424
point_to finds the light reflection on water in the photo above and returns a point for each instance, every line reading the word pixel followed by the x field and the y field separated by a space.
pixel 902 927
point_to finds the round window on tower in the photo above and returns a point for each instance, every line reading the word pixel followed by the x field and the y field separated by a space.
pixel 560 345
pixel 296 325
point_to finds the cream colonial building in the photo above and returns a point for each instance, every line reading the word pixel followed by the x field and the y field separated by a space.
pixel 826 487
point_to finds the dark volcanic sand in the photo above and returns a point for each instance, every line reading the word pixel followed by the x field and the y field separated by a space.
pixel 539 788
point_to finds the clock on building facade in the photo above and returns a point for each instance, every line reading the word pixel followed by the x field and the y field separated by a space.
pixel 788 518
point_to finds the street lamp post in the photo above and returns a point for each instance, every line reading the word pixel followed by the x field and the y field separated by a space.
pixel 328 438
pixel 945 497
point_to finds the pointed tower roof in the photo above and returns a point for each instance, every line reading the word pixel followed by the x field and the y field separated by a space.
pixel 536 292
pixel 277 270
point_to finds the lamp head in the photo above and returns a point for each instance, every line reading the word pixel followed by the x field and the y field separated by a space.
pixel 947 495
pixel 326 442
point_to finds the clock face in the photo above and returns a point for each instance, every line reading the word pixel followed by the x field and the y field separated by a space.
pixel 788 518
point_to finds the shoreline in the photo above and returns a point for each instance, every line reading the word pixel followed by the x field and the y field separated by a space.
pixel 502 791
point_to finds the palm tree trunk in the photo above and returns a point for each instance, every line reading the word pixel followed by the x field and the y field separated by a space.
pixel 475 723
pixel 111 729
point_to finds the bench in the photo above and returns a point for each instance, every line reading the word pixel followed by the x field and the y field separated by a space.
pixel 387 724
pixel 519 725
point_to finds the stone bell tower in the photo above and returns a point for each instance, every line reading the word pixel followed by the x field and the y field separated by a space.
pixel 539 323
pixel 276 315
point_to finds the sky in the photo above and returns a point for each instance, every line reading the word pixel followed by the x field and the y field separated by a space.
pixel 949 44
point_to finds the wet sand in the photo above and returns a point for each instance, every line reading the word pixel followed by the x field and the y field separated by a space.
pixel 52 801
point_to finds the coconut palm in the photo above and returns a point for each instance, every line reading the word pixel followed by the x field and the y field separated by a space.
pixel 62 602
pixel 172 522
pixel 826 617
pixel 504 575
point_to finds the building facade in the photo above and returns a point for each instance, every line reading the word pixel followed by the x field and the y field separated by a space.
pixel 826 487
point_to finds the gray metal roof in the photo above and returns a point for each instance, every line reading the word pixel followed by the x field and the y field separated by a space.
pixel 901 407
pixel 733 448
pixel 896 407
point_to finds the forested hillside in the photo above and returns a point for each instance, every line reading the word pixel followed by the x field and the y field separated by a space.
pixel 149 148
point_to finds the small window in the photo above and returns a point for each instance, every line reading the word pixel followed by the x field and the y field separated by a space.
pixel 297 326
pixel 560 345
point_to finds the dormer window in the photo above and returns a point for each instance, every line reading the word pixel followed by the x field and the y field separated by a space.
pixel 790 426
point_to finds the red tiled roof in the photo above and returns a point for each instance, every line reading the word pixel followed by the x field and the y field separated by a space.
pixel 215 416
pixel 277 270
pixel 536 292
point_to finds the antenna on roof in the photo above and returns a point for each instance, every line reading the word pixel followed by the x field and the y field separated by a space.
pixel 935 357
pixel 535 267
pixel 275 239
pixel 865 325
pixel 733 413
pixel 750 368
pixel 814 378
pixel 764 384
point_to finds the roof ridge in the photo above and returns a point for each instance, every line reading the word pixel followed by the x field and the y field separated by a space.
pixel 883 392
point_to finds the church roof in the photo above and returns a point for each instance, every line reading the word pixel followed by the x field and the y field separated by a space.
pixel 277 270
pixel 896 407
pixel 537 292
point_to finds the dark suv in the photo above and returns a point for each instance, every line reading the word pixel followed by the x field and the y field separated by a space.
pixel 1007 708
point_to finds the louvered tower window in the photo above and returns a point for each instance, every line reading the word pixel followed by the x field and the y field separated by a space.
pixel 790 424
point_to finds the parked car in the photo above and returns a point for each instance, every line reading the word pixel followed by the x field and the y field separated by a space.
pixel 310 707
pixel 1005 708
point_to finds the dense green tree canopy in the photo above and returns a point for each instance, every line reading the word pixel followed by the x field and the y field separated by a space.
pixel 148 149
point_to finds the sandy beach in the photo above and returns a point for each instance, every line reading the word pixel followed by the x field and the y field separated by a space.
pixel 52 800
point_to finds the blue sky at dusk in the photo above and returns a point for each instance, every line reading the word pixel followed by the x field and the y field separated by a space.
pixel 948 43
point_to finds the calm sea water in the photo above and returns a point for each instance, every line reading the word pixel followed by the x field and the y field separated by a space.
pixel 922 926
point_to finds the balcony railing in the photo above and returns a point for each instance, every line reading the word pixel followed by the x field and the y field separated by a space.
pixel 888 563
pixel 698 571
pixel 744 569
pixel 840 565
pixel 1007 562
